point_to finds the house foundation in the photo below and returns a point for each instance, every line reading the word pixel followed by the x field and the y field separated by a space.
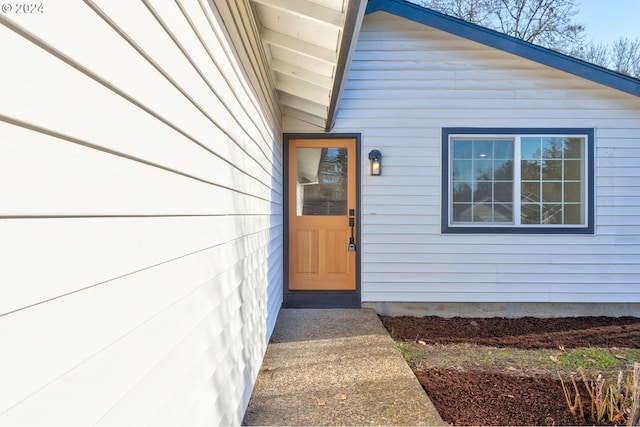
pixel 502 309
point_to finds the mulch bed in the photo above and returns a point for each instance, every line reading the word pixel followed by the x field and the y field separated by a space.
pixel 481 398
pixel 526 332
pixel 497 398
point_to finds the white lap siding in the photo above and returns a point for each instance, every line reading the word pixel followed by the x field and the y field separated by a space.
pixel 407 82
pixel 141 218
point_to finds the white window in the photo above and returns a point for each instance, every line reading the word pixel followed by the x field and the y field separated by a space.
pixel 498 180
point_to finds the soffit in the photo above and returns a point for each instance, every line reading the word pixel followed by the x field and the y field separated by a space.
pixel 307 45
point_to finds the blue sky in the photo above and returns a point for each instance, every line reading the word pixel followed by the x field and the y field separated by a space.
pixel 608 20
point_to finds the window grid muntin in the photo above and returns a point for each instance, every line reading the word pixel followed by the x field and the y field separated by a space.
pixel 482 158
pixel 558 153
pixel 517 181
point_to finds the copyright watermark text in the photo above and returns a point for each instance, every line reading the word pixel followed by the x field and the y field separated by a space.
pixel 22 8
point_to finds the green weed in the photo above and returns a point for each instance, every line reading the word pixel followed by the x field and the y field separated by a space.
pixel 409 351
pixel 589 358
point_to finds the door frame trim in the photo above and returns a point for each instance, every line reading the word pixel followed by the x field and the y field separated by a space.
pixel 319 299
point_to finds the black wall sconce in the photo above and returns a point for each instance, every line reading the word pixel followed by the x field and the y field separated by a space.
pixel 376 162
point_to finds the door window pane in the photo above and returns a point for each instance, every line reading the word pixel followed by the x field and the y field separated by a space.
pixel 322 181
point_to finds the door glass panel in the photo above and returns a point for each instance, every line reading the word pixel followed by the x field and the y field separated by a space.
pixel 322 181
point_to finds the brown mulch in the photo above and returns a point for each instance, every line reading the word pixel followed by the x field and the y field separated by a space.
pixel 526 332
pixel 498 398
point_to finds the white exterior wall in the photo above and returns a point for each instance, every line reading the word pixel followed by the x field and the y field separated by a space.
pixel 141 217
pixel 408 81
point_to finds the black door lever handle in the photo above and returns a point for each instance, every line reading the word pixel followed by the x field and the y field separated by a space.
pixel 352 241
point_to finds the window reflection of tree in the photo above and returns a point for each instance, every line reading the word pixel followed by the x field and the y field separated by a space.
pixel 543 176
pixel 488 197
pixel 329 195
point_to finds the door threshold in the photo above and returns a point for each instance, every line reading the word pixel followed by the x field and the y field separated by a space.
pixel 321 299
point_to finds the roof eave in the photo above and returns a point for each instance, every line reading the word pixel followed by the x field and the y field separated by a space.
pixel 507 43
pixel 353 22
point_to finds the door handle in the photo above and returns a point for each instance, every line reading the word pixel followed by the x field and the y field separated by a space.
pixel 352 241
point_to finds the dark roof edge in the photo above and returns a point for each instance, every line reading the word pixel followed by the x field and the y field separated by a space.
pixel 353 20
pixel 507 43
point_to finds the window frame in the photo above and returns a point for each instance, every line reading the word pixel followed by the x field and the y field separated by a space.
pixel 468 132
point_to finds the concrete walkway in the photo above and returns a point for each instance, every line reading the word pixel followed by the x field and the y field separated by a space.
pixel 336 367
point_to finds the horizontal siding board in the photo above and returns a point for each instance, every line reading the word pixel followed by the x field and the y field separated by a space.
pixel 73 340
pixel 622 232
pixel 179 20
pixel 465 250
pixel 381 93
pixel 499 243
pixel 400 171
pixel 401 209
pixel 505 288
pixel 609 214
pixel 488 279
pixel 620 200
pixel 400 219
pixel 611 134
pixel 140 405
pixel 418 106
pixel 443 81
pixel 165 21
pixel 91 106
pixel 535 297
pixel 211 35
pixel 516 109
pixel 483 120
pixel 529 267
pixel 66 250
pixel 619 176
pixel 395 190
pixel 468 260
pixel 407 82
pixel 157 144
pixel 100 183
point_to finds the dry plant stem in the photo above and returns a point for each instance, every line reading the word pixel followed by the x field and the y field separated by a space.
pixel 599 393
pixel 634 414
pixel 620 400
pixel 613 403
pixel 567 398
pixel 591 391
pixel 576 404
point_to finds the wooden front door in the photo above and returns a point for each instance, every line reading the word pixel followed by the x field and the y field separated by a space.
pixel 322 214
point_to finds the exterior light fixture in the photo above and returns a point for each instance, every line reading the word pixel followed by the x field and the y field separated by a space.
pixel 376 162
